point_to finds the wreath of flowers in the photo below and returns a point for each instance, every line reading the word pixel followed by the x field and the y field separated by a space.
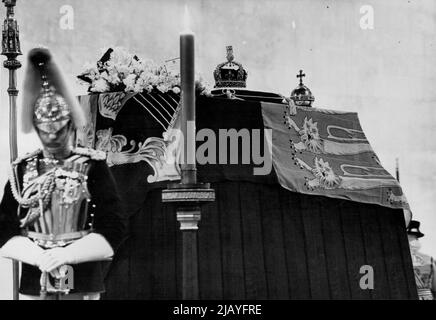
pixel 120 70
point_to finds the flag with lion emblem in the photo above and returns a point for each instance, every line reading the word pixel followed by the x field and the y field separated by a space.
pixel 314 151
pixel 325 152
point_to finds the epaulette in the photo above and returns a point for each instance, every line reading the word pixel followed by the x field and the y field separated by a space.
pixel 27 156
pixel 92 153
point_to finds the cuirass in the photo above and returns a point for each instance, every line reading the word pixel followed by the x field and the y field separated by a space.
pixel 424 273
pixel 63 217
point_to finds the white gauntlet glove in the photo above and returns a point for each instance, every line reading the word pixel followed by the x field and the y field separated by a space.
pixel 22 249
pixel 92 247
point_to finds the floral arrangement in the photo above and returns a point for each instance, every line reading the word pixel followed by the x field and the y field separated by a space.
pixel 119 70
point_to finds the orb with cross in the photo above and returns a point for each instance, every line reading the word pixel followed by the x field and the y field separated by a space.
pixel 302 96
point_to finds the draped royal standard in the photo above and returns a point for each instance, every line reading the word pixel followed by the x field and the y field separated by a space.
pixel 314 151
pixel 325 152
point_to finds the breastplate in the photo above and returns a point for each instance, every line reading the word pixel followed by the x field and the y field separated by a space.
pixel 423 272
pixel 61 215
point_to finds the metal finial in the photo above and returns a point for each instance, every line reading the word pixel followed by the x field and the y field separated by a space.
pixel 230 56
pixel 10 32
pixel 45 84
pixel 301 75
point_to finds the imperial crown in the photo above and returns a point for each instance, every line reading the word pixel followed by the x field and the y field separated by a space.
pixel 230 74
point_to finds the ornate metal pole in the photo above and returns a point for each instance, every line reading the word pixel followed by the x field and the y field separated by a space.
pixel 11 49
pixel 188 194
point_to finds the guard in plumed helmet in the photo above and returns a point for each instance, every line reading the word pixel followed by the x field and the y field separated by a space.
pixel 60 215
pixel 423 265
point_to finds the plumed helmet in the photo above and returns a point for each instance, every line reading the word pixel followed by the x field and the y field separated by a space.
pixel 47 101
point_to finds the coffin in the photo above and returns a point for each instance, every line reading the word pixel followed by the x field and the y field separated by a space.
pixel 280 235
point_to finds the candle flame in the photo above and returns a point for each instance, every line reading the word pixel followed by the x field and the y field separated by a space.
pixel 186 19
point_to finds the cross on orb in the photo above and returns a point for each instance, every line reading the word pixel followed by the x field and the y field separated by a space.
pixel 301 75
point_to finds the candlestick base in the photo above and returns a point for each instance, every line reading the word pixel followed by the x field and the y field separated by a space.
pixel 188 198
pixel 188 193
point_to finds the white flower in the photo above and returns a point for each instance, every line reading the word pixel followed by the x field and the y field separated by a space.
pixel 145 77
pixel 100 85
pixel 176 90
pixel 162 87
pixel 136 66
pixel 129 82
pixel 153 79
pixel 138 87
pixel 137 75
pixel 113 77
